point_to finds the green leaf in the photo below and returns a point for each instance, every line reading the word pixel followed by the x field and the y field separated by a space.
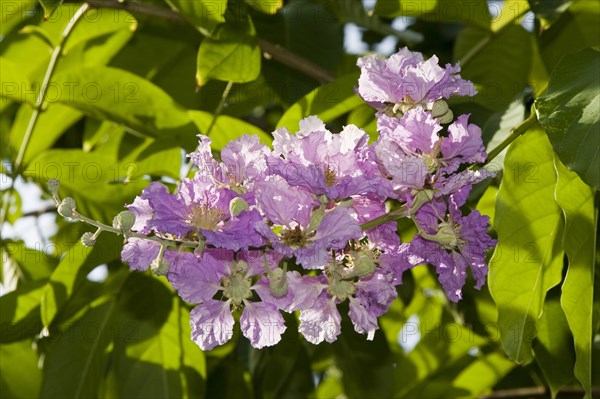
pixel 500 68
pixel 297 27
pixel 577 28
pixel 577 202
pixel 364 116
pixel 266 6
pixel 226 128
pixel 20 376
pixel 33 263
pixel 482 374
pixel 528 259
pixel 474 13
pixel 51 124
pixel 327 102
pixel 289 358
pixel 71 273
pixel 129 100
pixel 154 354
pixel 20 312
pixel 498 127
pixel 76 358
pixel 15 83
pixel 100 183
pixel 233 56
pixel 12 14
pixel 50 6
pixel 553 347
pixel 569 110
pixel 205 15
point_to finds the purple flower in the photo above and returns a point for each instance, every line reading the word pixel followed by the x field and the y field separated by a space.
pixel 406 78
pixel 198 280
pixel 453 243
pixel 463 144
pixel 325 163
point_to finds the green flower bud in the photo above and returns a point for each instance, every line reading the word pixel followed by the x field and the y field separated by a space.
pixel 124 221
pixel 53 185
pixel 159 266
pixel 364 264
pixel 340 289
pixel 421 197
pixel 278 283
pixel 67 207
pixel 447 236
pixel 88 239
pixel 237 206
pixel 446 118
pixel 439 108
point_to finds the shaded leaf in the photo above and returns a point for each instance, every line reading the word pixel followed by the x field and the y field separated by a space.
pixel 569 110
pixel 205 15
pixel 500 68
pixel 553 347
pixel 528 259
pixel 577 202
pixel 20 376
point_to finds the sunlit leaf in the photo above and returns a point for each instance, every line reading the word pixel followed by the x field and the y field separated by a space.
pixel 205 15
pixel 528 259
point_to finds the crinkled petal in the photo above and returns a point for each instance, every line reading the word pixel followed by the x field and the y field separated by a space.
pixel 262 324
pixel 138 253
pixel 322 322
pixel 212 324
pixel 364 322
pixel 143 213
pixel 195 279
pixel 237 233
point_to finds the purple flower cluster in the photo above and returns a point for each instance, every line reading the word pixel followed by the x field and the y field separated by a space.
pixel 301 227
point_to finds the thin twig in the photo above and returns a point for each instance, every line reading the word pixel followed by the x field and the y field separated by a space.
pixel 39 103
pixel 538 392
pixel 514 134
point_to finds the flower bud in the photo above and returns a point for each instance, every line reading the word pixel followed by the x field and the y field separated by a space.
pixel 364 265
pixel 67 207
pixel 88 239
pixel 237 206
pixel 341 289
pixel 439 108
pixel 159 266
pixel 278 283
pixel 53 185
pixel 124 221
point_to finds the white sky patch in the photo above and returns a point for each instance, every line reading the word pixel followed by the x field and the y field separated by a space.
pixel 410 335
pixel 98 274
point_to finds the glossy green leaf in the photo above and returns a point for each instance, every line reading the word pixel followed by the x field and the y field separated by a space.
pixel 233 56
pixel 124 98
pixel 20 377
pixel 569 110
pixel 71 273
pixel 528 259
pixel 482 374
pixel 500 68
pixel 154 354
pixel 577 202
pixel 327 102
pixel 205 15
pixel 553 347
pixel 226 128
pixel 474 13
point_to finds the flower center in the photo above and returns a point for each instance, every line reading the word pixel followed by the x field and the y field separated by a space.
pixel 204 217
pixel 329 176
pixel 294 238
pixel 236 286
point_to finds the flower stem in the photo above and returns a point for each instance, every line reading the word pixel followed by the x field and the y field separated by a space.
pixel 514 134
pixel 388 217
pixel 39 103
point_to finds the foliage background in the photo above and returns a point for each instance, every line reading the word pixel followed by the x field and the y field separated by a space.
pixel 135 82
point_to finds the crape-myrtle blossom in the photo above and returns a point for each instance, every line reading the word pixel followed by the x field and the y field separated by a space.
pixel 307 225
